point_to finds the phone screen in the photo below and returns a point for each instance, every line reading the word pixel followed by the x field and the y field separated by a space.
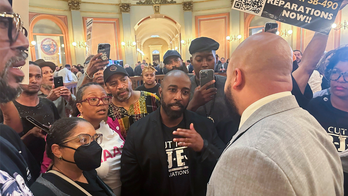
pixel 105 50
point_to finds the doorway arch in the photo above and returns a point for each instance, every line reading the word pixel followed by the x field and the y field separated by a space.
pixel 58 21
pixel 157 30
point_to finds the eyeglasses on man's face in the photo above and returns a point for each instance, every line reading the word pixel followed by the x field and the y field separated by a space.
pixel 94 101
pixel 336 74
pixel 86 139
pixel 12 25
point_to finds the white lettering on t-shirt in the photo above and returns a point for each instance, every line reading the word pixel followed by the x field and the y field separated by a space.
pixel 177 159
pixel 339 137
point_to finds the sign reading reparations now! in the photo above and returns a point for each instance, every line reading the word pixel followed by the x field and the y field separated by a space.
pixel 316 15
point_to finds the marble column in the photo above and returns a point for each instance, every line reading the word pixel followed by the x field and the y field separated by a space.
pixel 128 35
pixel 77 23
pixel 188 8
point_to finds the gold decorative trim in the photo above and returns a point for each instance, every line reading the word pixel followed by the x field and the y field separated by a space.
pixel 154 2
pixel 74 4
pixel 187 6
pixel 125 7
pixel 47 8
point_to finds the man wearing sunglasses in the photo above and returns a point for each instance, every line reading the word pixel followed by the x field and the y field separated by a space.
pixel 331 110
pixel 16 163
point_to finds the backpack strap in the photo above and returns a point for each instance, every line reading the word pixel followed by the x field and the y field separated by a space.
pixel 50 186
pixel 70 181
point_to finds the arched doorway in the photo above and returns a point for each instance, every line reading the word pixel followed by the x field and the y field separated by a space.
pixel 49 39
pixel 157 33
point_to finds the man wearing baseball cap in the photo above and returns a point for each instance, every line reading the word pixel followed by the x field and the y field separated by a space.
pixel 172 60
pixel 127 105
pixel 209 102
pixel 60 96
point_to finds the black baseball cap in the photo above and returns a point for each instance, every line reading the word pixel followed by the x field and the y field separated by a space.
pixel 113 69
pixel 170 53
pixel 42 63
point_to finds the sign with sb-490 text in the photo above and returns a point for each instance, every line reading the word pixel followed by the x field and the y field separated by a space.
pixel 316 15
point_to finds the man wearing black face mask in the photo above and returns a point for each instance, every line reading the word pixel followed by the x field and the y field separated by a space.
pixel 172 151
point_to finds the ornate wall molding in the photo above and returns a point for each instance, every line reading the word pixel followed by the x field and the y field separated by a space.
pixel 152 2
pixel 74 4
pixel 125 7
pixel 187 6
pixel 156 8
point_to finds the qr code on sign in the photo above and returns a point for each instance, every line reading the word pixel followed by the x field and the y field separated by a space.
pixel 249 6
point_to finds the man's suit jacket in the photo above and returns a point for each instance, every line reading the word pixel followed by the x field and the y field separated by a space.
pixel 144 166
pixel 281 150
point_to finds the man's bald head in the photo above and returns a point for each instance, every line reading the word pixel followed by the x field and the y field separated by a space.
pixel 260 66
pixel 262 53
pixel 175 73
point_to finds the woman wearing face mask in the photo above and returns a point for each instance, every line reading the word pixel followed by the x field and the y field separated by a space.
pixel 93 102
pixel 72 144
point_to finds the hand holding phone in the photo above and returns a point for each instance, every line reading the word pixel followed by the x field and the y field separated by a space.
pixel 37 124
pixel 104 49
pixel 95 65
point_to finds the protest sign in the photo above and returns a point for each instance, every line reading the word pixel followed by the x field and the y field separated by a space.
pixel 315 15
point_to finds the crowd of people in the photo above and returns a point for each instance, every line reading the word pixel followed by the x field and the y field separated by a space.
pixel 258 131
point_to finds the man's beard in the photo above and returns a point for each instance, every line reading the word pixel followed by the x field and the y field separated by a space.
pixel 30 93
pixel 9 93
pixel 231 105
pixel 169 112
pixel 121 99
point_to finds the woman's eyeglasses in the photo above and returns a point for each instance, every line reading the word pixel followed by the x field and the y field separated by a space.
pixel 86 139
pixel 14 24
pixel 335 75
pixel 94 101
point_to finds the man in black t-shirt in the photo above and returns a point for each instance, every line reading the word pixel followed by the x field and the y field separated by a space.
pixel 331 110
pixel 41 109
pixel 171 151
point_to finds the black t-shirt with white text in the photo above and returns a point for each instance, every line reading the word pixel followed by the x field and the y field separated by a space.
pixel 178 162
pixel 333 120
